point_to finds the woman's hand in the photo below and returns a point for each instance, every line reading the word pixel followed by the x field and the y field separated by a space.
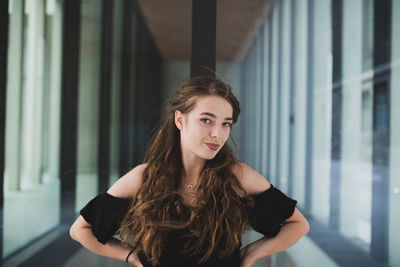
pixel 134 259
pixel 246 259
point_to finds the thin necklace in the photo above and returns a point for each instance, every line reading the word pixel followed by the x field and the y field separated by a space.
pixel 190 186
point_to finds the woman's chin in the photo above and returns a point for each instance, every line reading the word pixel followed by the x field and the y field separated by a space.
pixel 209 156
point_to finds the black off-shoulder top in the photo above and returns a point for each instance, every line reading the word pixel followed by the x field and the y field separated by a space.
pixel 271 208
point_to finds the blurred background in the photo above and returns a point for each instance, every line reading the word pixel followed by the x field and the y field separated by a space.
pixel 83 83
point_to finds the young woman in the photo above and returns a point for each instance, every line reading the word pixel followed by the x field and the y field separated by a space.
pixel 190 202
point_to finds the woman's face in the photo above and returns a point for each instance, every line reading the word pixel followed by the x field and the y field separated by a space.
pixel 205 129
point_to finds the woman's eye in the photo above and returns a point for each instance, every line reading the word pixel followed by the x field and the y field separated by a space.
pixel 205 120
pixel 208 121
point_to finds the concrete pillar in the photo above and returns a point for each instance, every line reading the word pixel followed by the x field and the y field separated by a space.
pixel 88 106
pixel 300 101
pixel 285 91
pixel 394 183
pixel 265 130
pixel 54 9
pixel 356 182
pixel 322 109
pixel 32 95
pixel 274 95
pixel 115 91
pixel 13 109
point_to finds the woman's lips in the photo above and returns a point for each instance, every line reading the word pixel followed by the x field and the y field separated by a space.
pixel 212 146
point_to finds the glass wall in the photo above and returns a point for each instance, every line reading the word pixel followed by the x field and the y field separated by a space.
pixel 320 124
pixel 31 179
pixel 75 121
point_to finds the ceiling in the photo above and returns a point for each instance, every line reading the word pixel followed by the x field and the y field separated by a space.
pixel 237 24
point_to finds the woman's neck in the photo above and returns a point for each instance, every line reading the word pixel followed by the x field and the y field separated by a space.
pixel 192 166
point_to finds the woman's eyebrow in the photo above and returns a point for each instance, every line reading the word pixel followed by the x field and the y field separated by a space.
pixel 212 115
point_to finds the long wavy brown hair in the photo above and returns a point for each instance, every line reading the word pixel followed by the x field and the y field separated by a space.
pixel 218 217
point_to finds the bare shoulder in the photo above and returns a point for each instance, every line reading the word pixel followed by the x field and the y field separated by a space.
pixel 128 185
pixel 251 181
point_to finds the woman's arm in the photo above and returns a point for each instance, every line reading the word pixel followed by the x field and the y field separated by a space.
pixel 292 230
pixel 81 231
pixel 126 187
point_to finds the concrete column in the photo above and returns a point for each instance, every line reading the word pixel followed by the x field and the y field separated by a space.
pixel 13 109
pixel 274 94
pixel 265 130
pixel 55 72
pixel 32 95
pixel 394 182
pixel 247 109
pixel 322 109
pixel 88 113
pixel 285 90
pixel 355 190
pixel 115 91
pixel 300 101
pixel 258 98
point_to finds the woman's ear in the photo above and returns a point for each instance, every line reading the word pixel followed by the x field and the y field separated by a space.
pixel 178 119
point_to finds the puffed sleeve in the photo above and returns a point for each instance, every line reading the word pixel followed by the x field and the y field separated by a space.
pixel 271 208
pixel 105 213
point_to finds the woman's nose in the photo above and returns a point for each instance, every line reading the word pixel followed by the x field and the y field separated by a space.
pixel 215 132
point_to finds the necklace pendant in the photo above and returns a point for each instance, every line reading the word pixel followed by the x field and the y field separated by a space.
pixel 190 186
